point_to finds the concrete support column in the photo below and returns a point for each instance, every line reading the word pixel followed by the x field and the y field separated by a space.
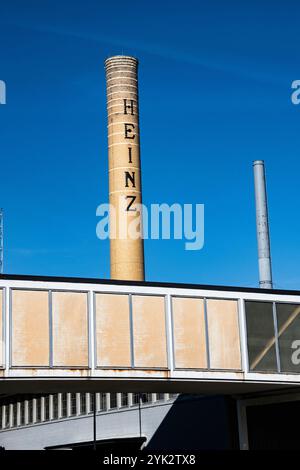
pixel 42 404
pixel 130 399
pixel 87 403
pixel 98 402
pixel 34 410
pixel 59 405
pixel 18 414
pixel 3 417
pixel 78 405
pixel 69 411
pixel 108 401
pixel 11 415
pixel 26 412
pixel 50 407
pixel 119 400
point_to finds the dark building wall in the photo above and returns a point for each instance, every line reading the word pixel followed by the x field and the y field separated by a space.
pixel 199 424
pixel 274 426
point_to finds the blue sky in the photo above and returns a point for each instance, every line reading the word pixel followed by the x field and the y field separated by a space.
pixel 215 86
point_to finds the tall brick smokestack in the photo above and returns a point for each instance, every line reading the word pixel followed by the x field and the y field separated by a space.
pixel 126 251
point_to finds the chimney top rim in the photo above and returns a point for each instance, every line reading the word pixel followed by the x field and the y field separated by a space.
pixel 120 57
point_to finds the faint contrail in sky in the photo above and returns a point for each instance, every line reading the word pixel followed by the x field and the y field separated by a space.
pixel 219 62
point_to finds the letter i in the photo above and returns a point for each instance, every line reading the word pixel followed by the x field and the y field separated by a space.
pixel 130 156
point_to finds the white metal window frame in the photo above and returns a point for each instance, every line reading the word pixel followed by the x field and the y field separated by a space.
pixel 168 293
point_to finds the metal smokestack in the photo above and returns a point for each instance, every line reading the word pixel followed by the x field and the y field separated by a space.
pixel 126 252
pixel 262 226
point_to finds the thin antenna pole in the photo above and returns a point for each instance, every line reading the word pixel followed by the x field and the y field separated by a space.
pixel 1 241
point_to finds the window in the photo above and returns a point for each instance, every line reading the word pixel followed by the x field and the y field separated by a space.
pixel 113 400
pixel 22 413
pixel 73 404
pixel 160 396
pixel 83 403
pixel 124 399
pixel 64 408
pixel 46 408
pixel 261 336
pixel 103 404
pixel 30 411
pixel 146 397
pixel 92 402
pixel 273 328
pixel 288 321
pixel 135 398
pixel 15 414
pixel 38 402
pixel 55 406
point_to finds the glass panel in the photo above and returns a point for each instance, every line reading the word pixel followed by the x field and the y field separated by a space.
pixel 83 403
pixel 73 404
pixel 124 399
pixel 22 413
pixel 149 334
pixel 47 408
pixel 30 412
pixel 30 328
pixel 38 410
pixel 113 330
pixel 92 404
pixel 288 321
pixel 113 400
pixel 223 334
pixel 189 333
pixel 102 401
pixel 70 329
pixel 135 398
pixel 15 413
pixel 260 336
pixel 55 406
pixel 160 396
pixel 146 397
pixel 64 405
